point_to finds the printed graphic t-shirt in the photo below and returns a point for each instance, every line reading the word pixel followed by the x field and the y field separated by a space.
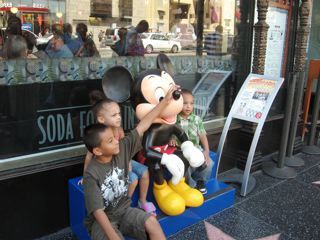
pixel 106 184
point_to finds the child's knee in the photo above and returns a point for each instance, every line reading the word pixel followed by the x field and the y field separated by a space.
pixel 146 174
pixel 132 177
pixel 152 223
pixel 134 183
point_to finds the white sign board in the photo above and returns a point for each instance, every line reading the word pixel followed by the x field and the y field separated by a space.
pixel 252 99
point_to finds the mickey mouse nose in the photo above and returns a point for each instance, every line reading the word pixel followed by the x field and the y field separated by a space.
pixel 176 94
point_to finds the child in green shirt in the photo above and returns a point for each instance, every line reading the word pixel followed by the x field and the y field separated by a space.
pixel 193 127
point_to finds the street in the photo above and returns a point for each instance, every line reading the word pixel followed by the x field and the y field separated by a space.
pixel 106 52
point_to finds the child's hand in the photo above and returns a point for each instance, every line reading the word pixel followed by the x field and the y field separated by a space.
pixel 130 167
pixel 172 143
pixel 206 157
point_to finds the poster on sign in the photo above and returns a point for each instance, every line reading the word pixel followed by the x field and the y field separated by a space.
pixel 251 103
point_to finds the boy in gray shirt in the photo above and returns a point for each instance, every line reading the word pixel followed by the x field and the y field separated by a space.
pixel 105 182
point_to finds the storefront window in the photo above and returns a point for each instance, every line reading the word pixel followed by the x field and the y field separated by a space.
pixel 177 20
pixel 46 101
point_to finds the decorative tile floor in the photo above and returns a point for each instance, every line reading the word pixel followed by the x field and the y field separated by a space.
pixel 275 209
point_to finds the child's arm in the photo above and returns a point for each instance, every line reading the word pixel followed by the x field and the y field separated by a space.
pixel 205 145
pixel 130 166
pixel 105 224
pixel 146 122
pixel 87 160
pixel 121 133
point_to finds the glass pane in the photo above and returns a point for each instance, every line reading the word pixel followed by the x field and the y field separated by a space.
pixel 45 102
pixel 179 20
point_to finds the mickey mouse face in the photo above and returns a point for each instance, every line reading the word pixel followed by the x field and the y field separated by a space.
pixel 148 89
pixel 154 88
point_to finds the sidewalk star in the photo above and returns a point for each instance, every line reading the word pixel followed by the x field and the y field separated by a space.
pixel 214 233
pixel 316 183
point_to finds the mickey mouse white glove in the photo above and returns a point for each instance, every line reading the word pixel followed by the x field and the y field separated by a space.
pixel 175 166
pixel 192 154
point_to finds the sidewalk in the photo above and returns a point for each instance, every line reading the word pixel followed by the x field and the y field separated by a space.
pixel 289 208
pixel 275 209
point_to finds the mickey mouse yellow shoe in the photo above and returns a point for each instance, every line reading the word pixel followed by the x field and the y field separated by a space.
pixel 168 201
pixel 191 196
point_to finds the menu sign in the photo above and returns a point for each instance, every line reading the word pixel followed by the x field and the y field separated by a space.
pixel 253 99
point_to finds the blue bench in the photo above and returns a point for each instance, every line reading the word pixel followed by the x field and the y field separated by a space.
pixel 219 197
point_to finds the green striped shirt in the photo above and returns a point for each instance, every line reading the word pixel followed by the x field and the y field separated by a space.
pixel 193 127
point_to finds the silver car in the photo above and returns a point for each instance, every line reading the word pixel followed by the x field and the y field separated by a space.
pixel 159 42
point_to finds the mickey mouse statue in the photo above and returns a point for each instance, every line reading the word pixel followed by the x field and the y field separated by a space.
pixel 148 89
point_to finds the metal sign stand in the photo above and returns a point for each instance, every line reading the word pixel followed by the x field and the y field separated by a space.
pixel 252 104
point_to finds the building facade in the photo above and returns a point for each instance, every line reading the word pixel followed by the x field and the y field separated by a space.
pixel 45 104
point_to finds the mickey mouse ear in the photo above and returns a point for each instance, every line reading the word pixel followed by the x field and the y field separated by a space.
pixel 116 84
pixel 164 64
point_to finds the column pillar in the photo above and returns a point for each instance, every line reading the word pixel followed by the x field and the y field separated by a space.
pixel 260 38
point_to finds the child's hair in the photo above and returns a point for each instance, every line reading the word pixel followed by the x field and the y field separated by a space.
pixel 96 96
pixel 186 91
pixel 91 137
pixel 99 106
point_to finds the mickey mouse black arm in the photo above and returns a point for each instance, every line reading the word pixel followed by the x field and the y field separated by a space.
pixel 150 140
pixel 180 134
pixel 159 135
pixel 153 156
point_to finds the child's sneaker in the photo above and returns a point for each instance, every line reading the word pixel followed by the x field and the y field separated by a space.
pixel 148 207
pixel 201 187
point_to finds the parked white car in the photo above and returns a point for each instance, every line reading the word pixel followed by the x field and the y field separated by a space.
pixel 154 42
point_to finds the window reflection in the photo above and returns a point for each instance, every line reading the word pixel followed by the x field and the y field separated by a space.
pixel 175 19
pixel 69 67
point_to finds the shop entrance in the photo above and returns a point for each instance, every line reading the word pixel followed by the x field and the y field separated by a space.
pixel 32 19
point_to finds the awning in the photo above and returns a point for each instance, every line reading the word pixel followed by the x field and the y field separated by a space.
pixel 27 9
